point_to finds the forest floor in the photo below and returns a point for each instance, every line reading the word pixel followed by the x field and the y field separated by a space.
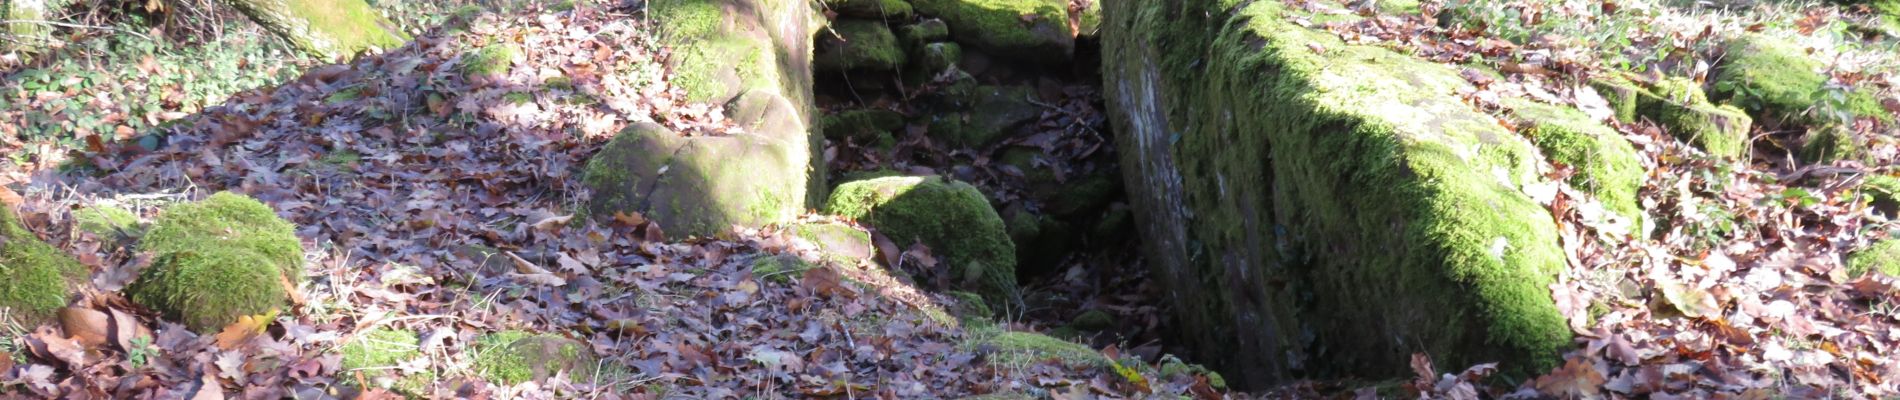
pixel 1746 296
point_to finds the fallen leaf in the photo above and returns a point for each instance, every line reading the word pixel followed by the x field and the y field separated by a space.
pixel 87 326
pixel 246 327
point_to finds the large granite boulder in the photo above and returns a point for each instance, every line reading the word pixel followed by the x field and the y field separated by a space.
pixel 1318 208
pixel 754 58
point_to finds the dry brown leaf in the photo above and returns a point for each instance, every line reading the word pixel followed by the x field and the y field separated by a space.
pixel 87 326
pixel 246 327
pixel 208 388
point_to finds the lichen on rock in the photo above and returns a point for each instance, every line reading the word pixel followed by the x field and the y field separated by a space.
pixel 952 218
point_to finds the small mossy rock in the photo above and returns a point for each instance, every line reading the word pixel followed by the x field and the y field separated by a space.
pixel 1173 367
pixel 1622 95
pixel 491 60
pixel 1084 195
pixel 952 218
pixel 700 186
pixel 839 242
pixel 209 287
pixel 971 309
pixel 327 29
pixel 1089 23
pixel 1041 241
pixel 897 10
pixel 1325 212
pixel 38 278
pixel 1093 321
pixel 1682 108
pixel 1607 165
pixel 1884 193
pixel 1020 349
pixel 779 268
pixel 1117 224
pixel 106 221
pixel 370 360
pixel 937 57
pixel 1883 256
pixel 856 44
pixel 863 125
pixel 218 259
pixel 915 36
pixel 1032 30
pixel 511 358
pixel 1774 79
pixel 228 220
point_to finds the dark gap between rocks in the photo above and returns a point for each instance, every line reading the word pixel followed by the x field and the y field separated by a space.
pixel 901 96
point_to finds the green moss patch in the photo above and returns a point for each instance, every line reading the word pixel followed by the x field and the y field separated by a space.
pixel 513 357
pixel 38 277
pixel 220 258
pixel 329 28
pixel 863 125
pixel 1882 256
pixel 106 221
pixel 1607 166
pixel 491 60
pixel 1020 349
pixel 951 217
pixel 371 359
pixel 1774 79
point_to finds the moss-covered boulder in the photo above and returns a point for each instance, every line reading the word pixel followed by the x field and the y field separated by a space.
pixel 492 60
pixel 1882 256
pixel 856 44
pixel 1774 79
pixel 896 10
pixel 326 29
pixel 513 357
pixel 951 217
pixel 1607 166
pixel 1325 212
pixel 1680 106
pixel 780 268
pixel 217 259
pixel 373 359
pixel 698 186
pixel 1031 30
pixel 35 278
pixel 752 57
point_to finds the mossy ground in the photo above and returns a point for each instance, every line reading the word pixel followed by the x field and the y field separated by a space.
pixel 38 277
pixel 371 358
pixel 1012 349
pixel 951 217
pixel 514 357
pixel 220 258
pixel 106 221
